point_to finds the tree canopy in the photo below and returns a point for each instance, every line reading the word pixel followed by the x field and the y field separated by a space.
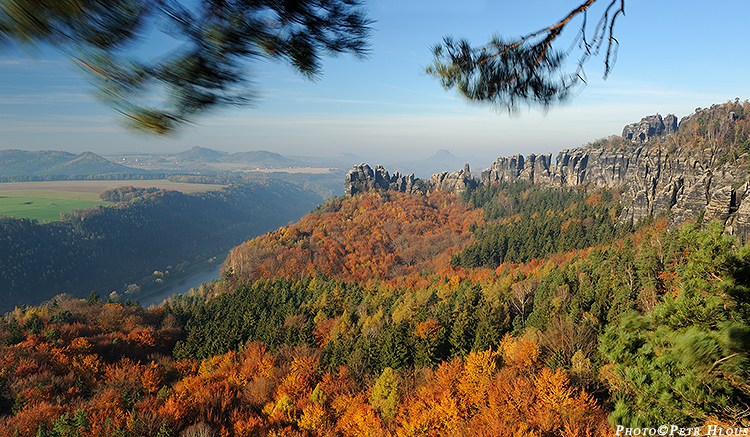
pixel 210 46
pixel 509 72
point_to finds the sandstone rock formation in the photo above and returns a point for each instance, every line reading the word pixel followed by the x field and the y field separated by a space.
pixel 650 127
pixel 455 182
pixel 362 178
pixel 656 180
pixel 657 177
pixel 535 168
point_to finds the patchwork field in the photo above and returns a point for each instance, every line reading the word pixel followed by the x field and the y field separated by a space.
pixel 45 201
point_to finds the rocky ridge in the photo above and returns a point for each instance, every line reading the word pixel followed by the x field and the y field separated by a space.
pixel 660 170
pixel 363 178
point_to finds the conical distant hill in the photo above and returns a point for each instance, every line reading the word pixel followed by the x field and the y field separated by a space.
pixel 442 160
pixel 201 154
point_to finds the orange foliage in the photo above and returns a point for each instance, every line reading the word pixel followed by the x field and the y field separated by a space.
pixel 521 353
pixel 251 392
pixel 427 329
pixel 371 236
pixel 476 398
pixel 594 200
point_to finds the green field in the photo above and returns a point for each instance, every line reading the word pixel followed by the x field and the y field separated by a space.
pixel 45 200
pixel 44 205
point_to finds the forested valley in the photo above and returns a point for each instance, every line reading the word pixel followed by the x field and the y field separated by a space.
pixel 394 314
pixel 137 242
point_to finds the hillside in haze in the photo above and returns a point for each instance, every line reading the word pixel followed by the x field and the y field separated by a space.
pixel 200 154
pixel 442 160
pixel 525 302
pixel 15 162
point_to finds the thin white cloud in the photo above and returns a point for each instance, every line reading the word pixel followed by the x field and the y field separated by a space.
pixel 44 99
pixel 28 63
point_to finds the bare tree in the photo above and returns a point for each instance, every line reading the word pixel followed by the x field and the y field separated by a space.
pixel 522 296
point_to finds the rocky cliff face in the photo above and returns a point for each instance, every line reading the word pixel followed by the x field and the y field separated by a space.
pixel 657 176
pixel 650 127
pixel 534 168
pixel 657 181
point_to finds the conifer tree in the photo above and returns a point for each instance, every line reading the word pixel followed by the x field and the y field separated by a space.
pixel 208 54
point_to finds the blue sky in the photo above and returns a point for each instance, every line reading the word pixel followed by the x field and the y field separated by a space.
pixel 673 57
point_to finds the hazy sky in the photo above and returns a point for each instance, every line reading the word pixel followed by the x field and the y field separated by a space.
pixel 674 56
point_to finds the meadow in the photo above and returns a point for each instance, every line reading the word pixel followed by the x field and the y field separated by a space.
pixel 44 201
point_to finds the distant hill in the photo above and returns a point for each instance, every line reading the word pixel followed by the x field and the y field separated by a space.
pixel 201 154
pixel 87 163
pixel 342 160
pixel 261 159
pixel 442 160
pixel 15 162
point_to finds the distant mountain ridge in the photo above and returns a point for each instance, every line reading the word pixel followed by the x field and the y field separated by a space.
pixel 15 162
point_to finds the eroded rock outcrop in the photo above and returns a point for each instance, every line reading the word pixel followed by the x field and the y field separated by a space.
pixel 534 168
pixel 362 178
pixel 657 177
pixel 650 127
pixel 455 182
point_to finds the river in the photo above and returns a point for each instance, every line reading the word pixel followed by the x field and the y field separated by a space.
pixel 182 286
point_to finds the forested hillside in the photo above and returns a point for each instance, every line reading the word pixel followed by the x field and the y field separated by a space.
pixel 109 248
pixel 353 322
pixel 511 309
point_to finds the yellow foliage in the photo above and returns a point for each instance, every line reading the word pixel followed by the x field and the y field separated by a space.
pixel 525 431
pixel 479 366
pixel 238 379
pixel 431 417
pixel 87 364
pixel 454 281
pixel 355 417
pixel 478 370
pixel 80 344
pixel 283 409
pixel 217 365
pixel 521 353
pixel 553 391
pixel 313 417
